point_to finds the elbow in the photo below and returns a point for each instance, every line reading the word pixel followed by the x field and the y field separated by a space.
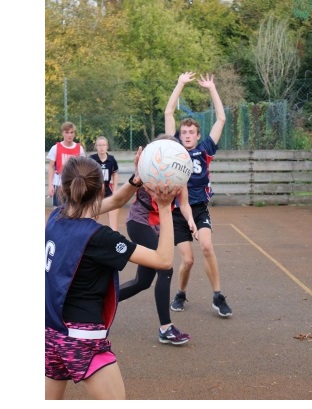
pixel 169 112
pixel 119 203
pixel 167 264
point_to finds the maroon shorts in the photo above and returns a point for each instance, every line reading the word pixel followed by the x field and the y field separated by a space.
pixel 72 358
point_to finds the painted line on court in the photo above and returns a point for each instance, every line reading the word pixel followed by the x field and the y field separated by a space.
pixel 279 265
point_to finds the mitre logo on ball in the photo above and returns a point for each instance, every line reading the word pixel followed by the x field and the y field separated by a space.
pixel 165 161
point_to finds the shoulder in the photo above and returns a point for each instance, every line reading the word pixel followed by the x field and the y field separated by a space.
pixel 143 193
pixel 103 230
pixel 111 157
pixel 52 152
pixel 113 160
pixel 104 235
pixel 82 152
pixel 109 239
pixel 209 145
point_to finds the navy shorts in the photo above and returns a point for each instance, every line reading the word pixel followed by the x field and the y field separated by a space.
pixel 201 218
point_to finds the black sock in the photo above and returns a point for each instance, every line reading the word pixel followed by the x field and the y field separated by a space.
pixel 216 293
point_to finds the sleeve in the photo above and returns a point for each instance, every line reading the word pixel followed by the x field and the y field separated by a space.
pixel 115 165
pixel 208 145
pixel 52 153
pixel 110 248
pixel 82 152
pixel 177 136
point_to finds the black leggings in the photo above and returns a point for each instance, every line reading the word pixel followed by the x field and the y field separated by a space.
pixel 146 236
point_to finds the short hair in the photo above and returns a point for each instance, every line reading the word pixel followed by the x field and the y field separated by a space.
pixel 190 122
pixel 67 126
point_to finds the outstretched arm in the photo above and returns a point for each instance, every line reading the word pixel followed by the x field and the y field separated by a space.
pixel 184 78
pixel 217 127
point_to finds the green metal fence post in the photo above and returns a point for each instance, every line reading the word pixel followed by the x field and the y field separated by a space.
pixel 130 132
pixel 65 100
pixel 130 147
pixel 284 124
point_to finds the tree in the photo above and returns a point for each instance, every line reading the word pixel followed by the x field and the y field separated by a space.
pixel 79 48
pixel 276 58
pixel 157 46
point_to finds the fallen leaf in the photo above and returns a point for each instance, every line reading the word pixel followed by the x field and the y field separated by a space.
pixel 301 337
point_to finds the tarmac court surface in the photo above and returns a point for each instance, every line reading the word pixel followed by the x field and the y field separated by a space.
pixel 262 352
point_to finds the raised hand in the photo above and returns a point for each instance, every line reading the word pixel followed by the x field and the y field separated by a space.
pixel 186 77
pixel 206 82
pixel 137 178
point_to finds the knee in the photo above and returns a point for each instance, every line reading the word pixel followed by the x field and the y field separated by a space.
pixel 188 262
pixel 165 274
pixel 145 286
pixel 207 250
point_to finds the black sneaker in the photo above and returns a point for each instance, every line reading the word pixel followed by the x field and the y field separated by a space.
pixel 178 302
pixel 173 336
pixel 219 304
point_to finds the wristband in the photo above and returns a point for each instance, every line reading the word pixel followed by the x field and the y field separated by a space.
pixel 134 184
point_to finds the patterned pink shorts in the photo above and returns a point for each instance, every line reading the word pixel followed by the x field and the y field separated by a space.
pixel 69 358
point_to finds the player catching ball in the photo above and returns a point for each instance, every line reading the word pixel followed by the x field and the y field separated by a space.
pixel 83 260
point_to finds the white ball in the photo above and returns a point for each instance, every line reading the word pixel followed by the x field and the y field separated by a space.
pixel 164 161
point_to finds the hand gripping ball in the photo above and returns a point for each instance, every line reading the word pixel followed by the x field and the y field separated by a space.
pixel 164 161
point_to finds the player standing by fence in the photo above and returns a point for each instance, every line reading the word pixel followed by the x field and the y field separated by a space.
pixel 58 155
pixel 199 192
pixel 109 168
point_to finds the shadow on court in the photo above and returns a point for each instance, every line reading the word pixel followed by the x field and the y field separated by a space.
pixel 263 352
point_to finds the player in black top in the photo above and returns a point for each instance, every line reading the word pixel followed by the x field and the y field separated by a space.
pixel 109 168
pixel 83 260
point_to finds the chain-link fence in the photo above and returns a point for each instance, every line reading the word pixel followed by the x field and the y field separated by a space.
pixel 266 125
pixel 250 126
pixel 262 126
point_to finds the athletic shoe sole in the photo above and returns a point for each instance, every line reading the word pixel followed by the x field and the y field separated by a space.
pixel 176 309
pixel 220 313
pixel 168 341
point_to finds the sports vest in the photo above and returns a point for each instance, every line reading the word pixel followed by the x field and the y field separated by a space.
pixel 63 153
pixel 62 259
pixel 152 207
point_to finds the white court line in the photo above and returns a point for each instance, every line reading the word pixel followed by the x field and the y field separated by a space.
pixel 279 265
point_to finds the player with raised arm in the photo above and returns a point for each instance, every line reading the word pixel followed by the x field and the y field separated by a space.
pixel 199 191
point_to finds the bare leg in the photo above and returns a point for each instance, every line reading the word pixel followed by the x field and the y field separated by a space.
pixel 186 265
pixel 210 259
pixel 106 384
pixel 54 390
